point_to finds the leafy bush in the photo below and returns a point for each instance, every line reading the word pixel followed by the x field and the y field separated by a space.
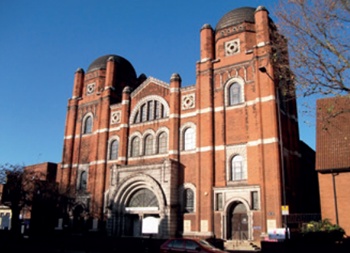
pixel 322 230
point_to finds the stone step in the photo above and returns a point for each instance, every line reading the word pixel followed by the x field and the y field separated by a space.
pixel 242 245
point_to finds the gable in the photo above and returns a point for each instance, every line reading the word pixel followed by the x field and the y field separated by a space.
pixel 151 86
pixel 333 134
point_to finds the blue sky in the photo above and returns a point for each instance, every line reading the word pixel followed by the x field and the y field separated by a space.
pixel 43 42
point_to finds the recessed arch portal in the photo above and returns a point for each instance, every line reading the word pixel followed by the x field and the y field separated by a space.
pixel 139 196
pixel 238 220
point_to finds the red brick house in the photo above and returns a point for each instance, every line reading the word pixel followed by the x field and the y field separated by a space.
pixel 31 195
pixel 216 158
pixel 332 159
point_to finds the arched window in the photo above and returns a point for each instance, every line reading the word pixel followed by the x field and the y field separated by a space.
pixel 113 151
pixel 188 200
pixel 143 198
pixel 235 94
pixel 162 143
pixel 237 169
pixel 135 147
pixel 189 139
pixel 149 110
pixel 148 146
pixel 83 181
pixel 87 125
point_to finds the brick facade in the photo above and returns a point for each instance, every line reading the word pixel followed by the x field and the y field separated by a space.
pixel 332 159
pixel 204 159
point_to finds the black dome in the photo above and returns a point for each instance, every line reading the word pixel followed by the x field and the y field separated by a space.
pixel 236 16
pixel 124 68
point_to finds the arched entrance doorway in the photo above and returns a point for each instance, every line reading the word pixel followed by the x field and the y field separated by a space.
pixel 139 200
pixel 141 204
pixel 79 218
pixel 237 222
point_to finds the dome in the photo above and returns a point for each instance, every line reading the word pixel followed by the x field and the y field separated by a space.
pixel 125 70
pixel 236 16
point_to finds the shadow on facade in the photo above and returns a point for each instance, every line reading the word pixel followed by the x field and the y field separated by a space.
pixel 89 242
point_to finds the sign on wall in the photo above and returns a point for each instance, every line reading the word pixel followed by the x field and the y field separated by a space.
pixel 277 234
pixel 285 210
pixel 150 225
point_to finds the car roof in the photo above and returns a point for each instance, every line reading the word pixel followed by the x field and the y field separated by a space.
pixel 185 238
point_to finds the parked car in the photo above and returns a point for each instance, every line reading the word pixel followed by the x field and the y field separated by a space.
pixel 188 245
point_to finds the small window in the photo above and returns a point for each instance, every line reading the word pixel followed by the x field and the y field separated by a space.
pixel 255 200
pixel 237 171
pixel 135 147
pixel 148 148
pixel 188 201
pixel 219 201
pixel 114 150
pixel 162 143
pixel 189 139
pixel 235 94
pixel 83 181
pixel 87 125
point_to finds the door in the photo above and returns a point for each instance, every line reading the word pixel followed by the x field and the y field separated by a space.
pixel 131 225
pixel 238 222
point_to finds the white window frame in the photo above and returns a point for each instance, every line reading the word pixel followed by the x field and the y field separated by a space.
pixel 227 94
pixel 110 150
pixel 231 152
pixel 84 121
pixel 181 196
pixel 184 143
pixel 142 110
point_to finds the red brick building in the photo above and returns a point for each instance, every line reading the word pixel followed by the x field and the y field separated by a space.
pixel 31 195
pixel 217 158
pixel 332 159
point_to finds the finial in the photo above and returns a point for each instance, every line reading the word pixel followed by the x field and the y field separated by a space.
pixel 175 77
